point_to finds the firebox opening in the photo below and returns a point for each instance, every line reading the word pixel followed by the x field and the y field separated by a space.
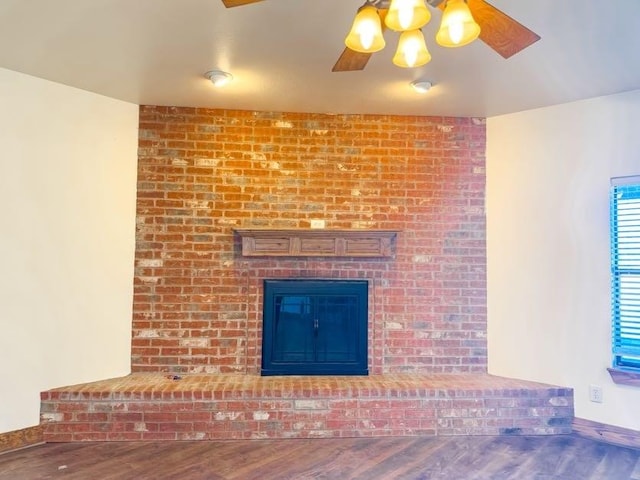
pixel 315 327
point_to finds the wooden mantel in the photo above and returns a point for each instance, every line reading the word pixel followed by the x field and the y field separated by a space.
pixel 316 242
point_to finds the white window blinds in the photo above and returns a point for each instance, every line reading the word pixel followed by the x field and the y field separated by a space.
pixel 625 271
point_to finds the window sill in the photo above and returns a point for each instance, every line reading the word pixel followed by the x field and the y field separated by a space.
pixel 625 377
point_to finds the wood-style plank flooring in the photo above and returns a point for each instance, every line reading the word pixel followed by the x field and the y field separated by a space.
pixel 450 458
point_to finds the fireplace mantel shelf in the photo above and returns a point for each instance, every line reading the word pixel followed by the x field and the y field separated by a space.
pixel 262 242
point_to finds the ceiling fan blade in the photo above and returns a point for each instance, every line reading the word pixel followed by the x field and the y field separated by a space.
pixel 238 3
pixel 499 31
pixel 350 60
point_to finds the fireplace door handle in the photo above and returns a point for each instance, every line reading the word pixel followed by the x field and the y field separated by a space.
pixel 315 327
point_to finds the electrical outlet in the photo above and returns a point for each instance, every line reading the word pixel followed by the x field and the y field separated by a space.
pixel 595 393
pixel 317 223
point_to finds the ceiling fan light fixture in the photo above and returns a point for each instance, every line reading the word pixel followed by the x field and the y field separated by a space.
pixel 407 15
pixel 412 50
pixel 421 86
pixel 366 32
pixel 458 27
pixel 218 77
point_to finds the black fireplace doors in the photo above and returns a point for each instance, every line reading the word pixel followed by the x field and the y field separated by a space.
pixel 315 327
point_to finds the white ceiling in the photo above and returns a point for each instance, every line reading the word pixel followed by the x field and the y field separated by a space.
pixel 281 53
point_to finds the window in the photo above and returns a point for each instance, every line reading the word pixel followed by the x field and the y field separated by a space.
pixel 625 271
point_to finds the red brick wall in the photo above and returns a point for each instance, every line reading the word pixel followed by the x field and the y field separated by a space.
pixel 203 172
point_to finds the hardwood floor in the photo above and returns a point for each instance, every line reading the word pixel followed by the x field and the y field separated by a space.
pixel 451 458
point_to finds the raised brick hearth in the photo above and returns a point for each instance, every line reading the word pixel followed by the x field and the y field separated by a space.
pixel 152 406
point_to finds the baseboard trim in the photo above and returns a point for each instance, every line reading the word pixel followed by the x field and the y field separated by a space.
pixel 17 439
pixel 623 437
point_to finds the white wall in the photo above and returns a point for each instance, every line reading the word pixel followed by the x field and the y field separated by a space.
pixel 67 217
pixel 548 174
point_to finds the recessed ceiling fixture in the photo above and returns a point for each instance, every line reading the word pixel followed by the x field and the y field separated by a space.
pixel 218 77
pixel 421 86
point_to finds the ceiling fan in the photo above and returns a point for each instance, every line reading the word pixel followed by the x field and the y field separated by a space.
pixel 500 32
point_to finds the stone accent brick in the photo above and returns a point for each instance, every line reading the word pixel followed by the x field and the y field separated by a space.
pixel 203 172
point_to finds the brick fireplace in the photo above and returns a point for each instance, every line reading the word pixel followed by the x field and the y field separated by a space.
pixel 205 174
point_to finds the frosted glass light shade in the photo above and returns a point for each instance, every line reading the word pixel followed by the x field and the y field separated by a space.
pixel 412 50
pixel 458 27
pixel 407 15
pixel 366 32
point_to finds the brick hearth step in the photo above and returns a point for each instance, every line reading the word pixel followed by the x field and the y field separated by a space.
pixel 155 406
